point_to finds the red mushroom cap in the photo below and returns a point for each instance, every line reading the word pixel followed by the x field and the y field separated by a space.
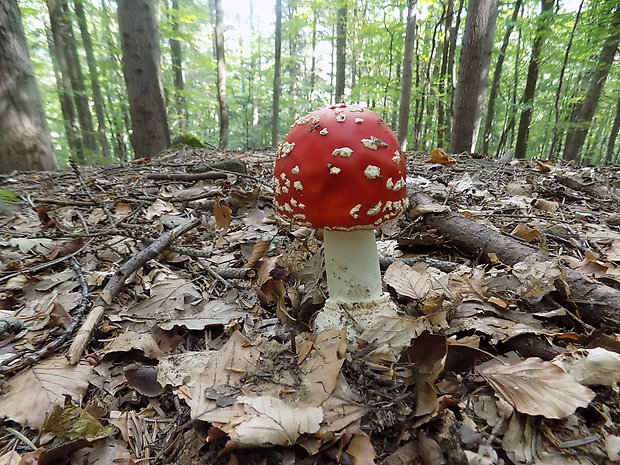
pixel 340 168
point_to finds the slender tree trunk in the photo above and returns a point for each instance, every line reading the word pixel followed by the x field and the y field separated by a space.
pixel 432 81
pixel 405 85
pixel 24 137
pixel 138 30
pixel 58 50
pixel 176 57
pixel 613 134
pixel 341 44
pixel 221 74
pixel 510 114
pixel 454 32
pixel 488 124
pixel 546 13
pixel 441 85
pixel 277 78
pixel 584 112
pixel 94 78
pixel 67 106
pixel 313 65
pixel 473 74
pixel 558 92
pixel 77 81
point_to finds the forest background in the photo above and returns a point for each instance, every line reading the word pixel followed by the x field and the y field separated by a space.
pixel 539 79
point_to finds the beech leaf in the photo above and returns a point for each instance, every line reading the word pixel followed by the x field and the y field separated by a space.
pixel 536 387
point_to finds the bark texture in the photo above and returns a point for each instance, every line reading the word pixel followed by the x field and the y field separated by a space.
pixel 24 137
pixel 584 112
pixel 77 79
pixel 277 77
pixel 613 134
pixel 407 74
pixel 140 45
pixel 222 97
pixel 532 78
pixel 473 74
pixel 94 78
pixel 176 57
pixel 341 47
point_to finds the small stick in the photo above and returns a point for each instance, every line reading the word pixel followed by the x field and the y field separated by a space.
pixel 115 284
pixel 186 176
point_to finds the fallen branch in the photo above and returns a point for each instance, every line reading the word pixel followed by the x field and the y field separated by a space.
pixel 187 176
pixel 596 303
pixel 115 284
pixel 8 367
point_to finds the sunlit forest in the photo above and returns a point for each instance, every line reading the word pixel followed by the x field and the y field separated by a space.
pixel 235 75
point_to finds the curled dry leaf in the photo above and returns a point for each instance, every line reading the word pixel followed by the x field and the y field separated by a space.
pixel 439 156
pixel 223 215
pixel 536 387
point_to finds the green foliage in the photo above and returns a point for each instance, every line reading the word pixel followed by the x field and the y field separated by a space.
pixel 375 45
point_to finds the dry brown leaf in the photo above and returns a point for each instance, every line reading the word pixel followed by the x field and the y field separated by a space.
pixel 131 340
pixel 223 215
pixel 536 387
pixel 524 232
pixel 212 313
pixel 258 251
pixel 361 449
pixel 407 281
pixel 273 422
pixel 10 458
pixel 439 156
pixel 33 393
pixel 159 208
pixel 548 206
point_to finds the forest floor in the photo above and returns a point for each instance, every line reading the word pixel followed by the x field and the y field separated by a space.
pixel 157 312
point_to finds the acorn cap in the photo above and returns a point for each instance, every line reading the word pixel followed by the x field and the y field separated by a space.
pixel 340 168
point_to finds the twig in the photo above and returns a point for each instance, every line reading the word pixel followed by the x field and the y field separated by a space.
pixel 42 266
pixel 115 284
pixel 186 176
pixel 50 348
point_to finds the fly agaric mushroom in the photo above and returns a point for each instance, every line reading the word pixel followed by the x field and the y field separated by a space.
pixel 340 169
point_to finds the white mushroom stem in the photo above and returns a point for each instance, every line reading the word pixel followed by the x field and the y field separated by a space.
pixel 356 299
pixel 352 265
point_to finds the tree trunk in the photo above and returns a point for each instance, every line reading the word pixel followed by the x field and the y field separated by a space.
pixel 313 62
pixel 558 92
pixel 94 78
pixel 341 44
pixel 509 123
pixel 140 45
pixel 77 80
pixel 546 12
pixel 613 134
pixel 473 74
pixel 441 86
pixel 454 32
pixel 407 74
pixel 25 141
pixel 67 106
pixel 222 98
pixel 66 95
pixel 584 112
pixel 488 124
pixel 176 57
pixel 277 78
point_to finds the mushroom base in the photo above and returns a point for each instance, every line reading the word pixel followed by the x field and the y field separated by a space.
pixel 355 317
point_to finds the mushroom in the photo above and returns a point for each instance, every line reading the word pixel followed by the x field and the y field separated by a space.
pixel 348 178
